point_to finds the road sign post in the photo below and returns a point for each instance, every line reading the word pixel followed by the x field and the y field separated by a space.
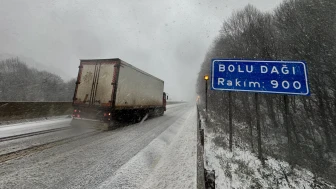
pixel 206 96
pixel 288 130
pixel 259 76
pixel 260 156
pixel 206 78
pixel 230 121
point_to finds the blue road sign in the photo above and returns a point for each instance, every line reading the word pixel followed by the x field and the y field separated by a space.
pixel 282 77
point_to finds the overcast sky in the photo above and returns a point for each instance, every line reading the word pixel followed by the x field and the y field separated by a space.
pixel 166 38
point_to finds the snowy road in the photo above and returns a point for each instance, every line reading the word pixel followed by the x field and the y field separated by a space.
pixel 158 153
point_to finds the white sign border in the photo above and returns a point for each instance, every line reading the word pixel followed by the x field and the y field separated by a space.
pixel 270 61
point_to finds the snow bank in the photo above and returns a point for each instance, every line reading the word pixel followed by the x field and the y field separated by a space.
pixel 21 122
pixel 177 168
pixel 29 127
pixel 242 169
pixel 169 161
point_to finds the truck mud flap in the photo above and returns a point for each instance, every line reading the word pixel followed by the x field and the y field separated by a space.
pixel 89 124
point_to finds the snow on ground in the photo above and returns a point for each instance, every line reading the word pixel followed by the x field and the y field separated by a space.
pixel 169 161
pixel 177 168
pixel 52 118
pixel 22 121
pixel 42 119
pixel 242 169
pixel 28 127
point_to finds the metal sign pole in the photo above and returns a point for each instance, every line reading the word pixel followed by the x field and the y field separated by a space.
pixel 258 127
pixel 206 78
pixel 206 96
pixel 288 129
pixel 206 100
pixel 230 120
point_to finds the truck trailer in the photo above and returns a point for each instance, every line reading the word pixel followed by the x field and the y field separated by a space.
pixel 108 90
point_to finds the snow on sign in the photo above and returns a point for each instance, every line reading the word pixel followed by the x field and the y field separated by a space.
pixel 282 77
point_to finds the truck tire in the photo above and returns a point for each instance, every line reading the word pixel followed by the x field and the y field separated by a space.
pixel 161 112
pixel 112 125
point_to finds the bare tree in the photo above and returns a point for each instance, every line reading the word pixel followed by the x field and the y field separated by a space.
pixel 21 83
pixel 297 30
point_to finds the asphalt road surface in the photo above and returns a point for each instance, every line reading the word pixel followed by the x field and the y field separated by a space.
pixel 123 158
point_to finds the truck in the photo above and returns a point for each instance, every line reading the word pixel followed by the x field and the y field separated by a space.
pixel 108 90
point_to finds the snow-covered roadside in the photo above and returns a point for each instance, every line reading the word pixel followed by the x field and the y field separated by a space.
pixel 169 161
pixel 29 127
pixel 24 121
pixel 178 168
pixel 242 169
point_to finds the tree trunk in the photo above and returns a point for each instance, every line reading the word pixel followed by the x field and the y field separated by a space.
pixel 325 124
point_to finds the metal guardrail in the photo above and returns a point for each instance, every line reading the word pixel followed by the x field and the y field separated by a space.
pixel 205 178
pixel 200 155
pixel 30 110
pixel 175 102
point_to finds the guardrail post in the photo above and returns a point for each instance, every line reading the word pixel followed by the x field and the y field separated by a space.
pixel 202 137
pixel 200 156
pixel 205 178
pixel 209 177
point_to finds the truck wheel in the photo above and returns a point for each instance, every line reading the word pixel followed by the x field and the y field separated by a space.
pixel 144 115
pixel 111 126
pixel 138 116
pixel 161 112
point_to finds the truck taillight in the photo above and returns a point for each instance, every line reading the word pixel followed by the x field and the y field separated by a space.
pixel 107 114
pixel 75 110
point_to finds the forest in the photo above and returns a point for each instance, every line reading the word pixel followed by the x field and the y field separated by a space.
pixel 19 82
pixel 295 30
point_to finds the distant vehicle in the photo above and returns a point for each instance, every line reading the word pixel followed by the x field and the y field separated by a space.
pixel 111 89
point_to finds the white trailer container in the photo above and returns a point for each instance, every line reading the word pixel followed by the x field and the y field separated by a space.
pixel 110 88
